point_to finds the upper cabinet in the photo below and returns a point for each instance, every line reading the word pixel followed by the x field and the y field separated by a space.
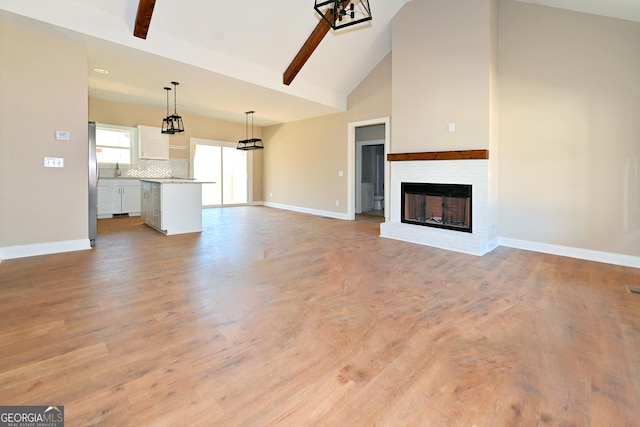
pixel 152 143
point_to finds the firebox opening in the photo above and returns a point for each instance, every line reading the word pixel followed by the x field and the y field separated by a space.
pixel 437 205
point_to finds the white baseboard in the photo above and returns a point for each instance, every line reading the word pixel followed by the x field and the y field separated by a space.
pixel 568 251
pixel 21 251
pixel 492 244
pixel 317 212
pixel 586 254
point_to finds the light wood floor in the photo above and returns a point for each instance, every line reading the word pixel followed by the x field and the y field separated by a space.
pixel 271 317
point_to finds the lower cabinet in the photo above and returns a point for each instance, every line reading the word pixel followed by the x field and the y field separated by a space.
pixel 118 196
pixel 172 206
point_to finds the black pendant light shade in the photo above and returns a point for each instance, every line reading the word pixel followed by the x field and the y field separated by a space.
pixel 343 13
pixel 172 124
pixel 249 143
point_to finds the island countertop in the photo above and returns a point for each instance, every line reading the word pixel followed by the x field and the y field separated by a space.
pixel 175 181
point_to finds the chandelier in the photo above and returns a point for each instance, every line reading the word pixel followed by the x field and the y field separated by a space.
pixel 172 124
pixel 249 143
pixel 343 13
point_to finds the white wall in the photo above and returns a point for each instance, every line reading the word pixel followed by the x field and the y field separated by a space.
pixel 442 64
pixel 569 129
pixel 43 82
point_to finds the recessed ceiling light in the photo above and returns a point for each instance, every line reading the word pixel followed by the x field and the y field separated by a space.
pixel 101 71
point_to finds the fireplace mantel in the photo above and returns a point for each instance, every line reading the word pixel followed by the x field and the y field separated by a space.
pixel 440 155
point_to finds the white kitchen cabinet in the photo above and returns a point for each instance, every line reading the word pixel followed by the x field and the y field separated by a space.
pixel 152 143
pixel 118 196
pixel 172 206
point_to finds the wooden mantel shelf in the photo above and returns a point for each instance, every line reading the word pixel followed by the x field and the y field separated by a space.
pixel 440 155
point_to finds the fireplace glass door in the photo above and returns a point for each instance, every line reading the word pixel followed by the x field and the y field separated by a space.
pixel 437 205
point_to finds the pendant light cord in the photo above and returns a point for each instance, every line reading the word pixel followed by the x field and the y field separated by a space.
pixel 175 96
pixel 167 89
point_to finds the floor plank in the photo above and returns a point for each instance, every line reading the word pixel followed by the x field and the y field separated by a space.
pixel 270 317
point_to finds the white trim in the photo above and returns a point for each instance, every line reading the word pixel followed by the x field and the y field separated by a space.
pixel 22 251
pixel 336 215
pixel 492 244
pixel 571 252
pixel 351 163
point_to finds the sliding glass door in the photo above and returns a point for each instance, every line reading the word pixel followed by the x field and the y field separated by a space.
pixel 225 167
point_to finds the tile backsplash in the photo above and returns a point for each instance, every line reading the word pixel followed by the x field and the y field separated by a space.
pixel 149 168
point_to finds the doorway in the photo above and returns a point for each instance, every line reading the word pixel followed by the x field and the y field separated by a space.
pixel 369 139
pixel 370 177
pixel 225 169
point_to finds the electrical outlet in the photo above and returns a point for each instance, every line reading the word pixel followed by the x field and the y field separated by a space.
pixel 53 162
pixel 337 202
pixel 452 127
pixel 270 195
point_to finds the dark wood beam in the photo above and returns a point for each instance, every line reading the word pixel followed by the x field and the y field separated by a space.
pixel 143 18
pixel 440 155
pixel 308 47
pixel 305 52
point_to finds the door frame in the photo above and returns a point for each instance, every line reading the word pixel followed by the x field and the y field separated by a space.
pixel 351 163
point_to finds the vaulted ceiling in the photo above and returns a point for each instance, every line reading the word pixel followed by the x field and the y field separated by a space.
pixel 229 56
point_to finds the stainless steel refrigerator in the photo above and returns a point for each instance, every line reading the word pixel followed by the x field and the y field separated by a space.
pixel 93 185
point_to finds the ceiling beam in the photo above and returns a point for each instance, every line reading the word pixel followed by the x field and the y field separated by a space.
pixel 143 18
pixel 309 46
pixel 305 52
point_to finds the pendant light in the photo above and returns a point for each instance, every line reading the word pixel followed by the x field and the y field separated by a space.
pixel 249 143
pixel 341 13
pixel 167 122
pixel 178 126
pixel 177 120
pixel 172 124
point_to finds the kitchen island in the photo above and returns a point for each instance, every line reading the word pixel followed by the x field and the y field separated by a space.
pixel 171 206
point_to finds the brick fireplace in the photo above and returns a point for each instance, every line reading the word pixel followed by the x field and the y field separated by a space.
pixel 442 170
